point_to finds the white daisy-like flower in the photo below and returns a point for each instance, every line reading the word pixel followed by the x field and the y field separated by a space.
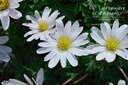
pixel 41 26
pixel 4 50
pixel 120 82
pixel 64 44
pixel 39 80
pixel 8 8
pixel 110 41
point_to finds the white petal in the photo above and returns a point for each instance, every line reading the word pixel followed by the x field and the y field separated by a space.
pixel 96 31
pixel 110 57
pixel 47 44
pixel 76 51
pixel 53 62
pixel 4 57
pixel 30 33
pixel 5 22
pixel 44 50
pixel 74 28
pixel 5 12
pixel 101 56
pixel 46 13
pixel 14 5
pixel 72 59
pixel 80 43
pixel 63 60
pixel 67 28
pixel 122 53
pixel 40 77
pixel 89 48
pixel 104 31
pixel 28 80
pixel 5 49
pixel 8 83
pixel 98 39
pixel 3 39
pixel 108 28
pixel 17 82
pixel 110 84
pixel 99 49
pixel 76 33
pixel 33 20
pixel 15 14
pixel 51 55
pixel 80 39
pixel 38 17
pixel 115 28
pixel 53 16
pixel 60 27
pixel 121 82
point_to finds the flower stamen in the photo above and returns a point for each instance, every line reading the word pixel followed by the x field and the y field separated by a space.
pixel 112 44
pixel 4 4
pixel 64 43
pixel 43 26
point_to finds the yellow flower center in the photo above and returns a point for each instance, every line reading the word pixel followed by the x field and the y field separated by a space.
pixel 4 4
pixel 43 26
pixel 112 44
pixel 64 43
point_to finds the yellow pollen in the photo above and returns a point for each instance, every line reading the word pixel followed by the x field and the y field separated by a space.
pixel 64 43
pixel 4 4
pixel 112 44
pixel 43 26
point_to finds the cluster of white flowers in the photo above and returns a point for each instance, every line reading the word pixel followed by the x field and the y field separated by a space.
pixel 63 42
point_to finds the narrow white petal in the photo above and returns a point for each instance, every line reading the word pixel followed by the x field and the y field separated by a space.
pixel 110 57
pixel 104 31
pixel 63 60
pixel 47 44
pixel 15 14
pixel 76 51
pixel 5 22
pixel 96 31
pixel 30 33
pixel 5 49
pixel 67 28
pixel 46 13
pixel 80 43
pixel 115 28
pixel 98 39
pixel 51 55
pixel 14 5
pixel 53 62
pixel 76 33
pixel 121 82
pixel 17 82
pixel 110 83
pixel 38 17
pixel 101 56
pixel 3 39
pixel 89 48
pixel 53 16
pixel 44 50
pixel 33 20
pixel 99 49
pixel 5 12
pixel 72 59
pixel 108 28
pixel 4 57
pixel 28 80
pixel 122 53
pixel 40 77
pixel 80 39
pixel 60 27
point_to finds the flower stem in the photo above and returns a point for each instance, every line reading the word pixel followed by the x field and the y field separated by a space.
pixel 83 77
pixel 121 70
pixel 66 82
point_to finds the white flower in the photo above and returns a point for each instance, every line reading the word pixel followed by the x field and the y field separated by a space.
pixel 64 44
pixel 41 26
pixel 121 82
pixel 8 8
pixel 4 50
pixel 39 80
pixel 110 41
